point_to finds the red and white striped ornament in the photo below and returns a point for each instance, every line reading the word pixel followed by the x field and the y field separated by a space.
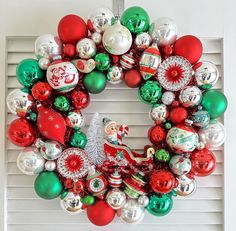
pixel 150 61
pixel 115 180
pixel 122 132
pixel 127 61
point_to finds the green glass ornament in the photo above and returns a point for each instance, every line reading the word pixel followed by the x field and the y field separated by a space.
pixel 95 82
pixel 78 139
pixel 103 61
pixel 168 125
pixel 88 200
pixel 61 103
pixel 47 185
pixel 214 102
pixel 162 155
pixel 150 92
pixel 28 72
pixel 64 194
pixel 136 19
pixel 160 205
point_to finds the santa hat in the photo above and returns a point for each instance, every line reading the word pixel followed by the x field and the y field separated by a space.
pixel 107 122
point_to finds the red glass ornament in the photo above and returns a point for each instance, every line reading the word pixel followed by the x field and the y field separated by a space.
pixel 156 134
pixel 162 181
pixel 189 47
pixel 178 115
pixel 51 124
pixel 80 98
pixel 72 28
pixel 41 91
pixel 21 132
pixel 203 162
pixel 69 50
pixel 133 78
pixel 100 213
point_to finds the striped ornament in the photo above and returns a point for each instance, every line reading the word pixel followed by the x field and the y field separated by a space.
pixel 127 61
pixel 122 132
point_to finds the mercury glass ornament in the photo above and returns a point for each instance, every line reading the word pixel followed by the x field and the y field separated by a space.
pixel 180 165
pixel 116 198
pixel 190 96
pixel 86 48
pixel 142 41
pixel 159 113
pixel 115 75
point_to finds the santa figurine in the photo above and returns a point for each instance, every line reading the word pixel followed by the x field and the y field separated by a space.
pixel 110 128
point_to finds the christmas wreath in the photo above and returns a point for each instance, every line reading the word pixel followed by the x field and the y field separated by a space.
pixel 103 176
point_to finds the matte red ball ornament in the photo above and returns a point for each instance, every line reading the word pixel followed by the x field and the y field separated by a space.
pixel 80 98
pixel 41 91
pixel 203 162
pixel 156 134
pixel 51 124
pixel 72 28
pixel 133 78
pixel 178 115
pixel 100 213
pixel 21 132
pixel 162 181
pixel 69 50
pixel 189 47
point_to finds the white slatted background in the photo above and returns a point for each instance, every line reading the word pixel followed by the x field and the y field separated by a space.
pixel 26 212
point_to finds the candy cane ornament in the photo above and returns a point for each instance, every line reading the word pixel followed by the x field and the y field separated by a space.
pixel 122 132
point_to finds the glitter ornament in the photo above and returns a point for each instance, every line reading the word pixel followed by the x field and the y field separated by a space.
pixel 174 73
pixel 162 155
pixel 168 97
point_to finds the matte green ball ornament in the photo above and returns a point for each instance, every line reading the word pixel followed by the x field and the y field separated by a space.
pixel 150 92
pixel 214 102
pixel 88 200
pixel 28 72
pixel 78 139
pixel 162 155
pixel 61 103
pixel 160 205
pixel 95 82
pixel 47 185
pixel 136 19
pixel 103 61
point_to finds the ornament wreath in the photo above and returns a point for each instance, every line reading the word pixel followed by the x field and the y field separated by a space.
pixel 103 176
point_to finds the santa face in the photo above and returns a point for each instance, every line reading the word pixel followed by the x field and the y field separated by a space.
pixel 111 129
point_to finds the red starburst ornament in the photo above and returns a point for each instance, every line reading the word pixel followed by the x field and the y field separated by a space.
pixel 174 73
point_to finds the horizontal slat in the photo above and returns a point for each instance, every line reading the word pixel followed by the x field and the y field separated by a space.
pixel 200 194
pixel 61 217
pixel 27 181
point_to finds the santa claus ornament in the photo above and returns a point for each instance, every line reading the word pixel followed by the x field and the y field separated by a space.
pixel 92 168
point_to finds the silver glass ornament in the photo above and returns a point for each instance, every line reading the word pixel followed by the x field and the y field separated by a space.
pixel 116 198
pixel 44 63
pixel 86 48
pixel 163 31
pixel 132 212
pixel 206 74
pixel 213 135
pixel 143 200
pixel 190 96
pixel 142 41
pixel 168 97
pixel 186 189
pixel 115 74
pixel 50 165
pixel 180 165
pixel 71 203
pixel 96 37
pixel 30 161
pixel 117 39
pixel 100 19
pixel 19 102
pixel 49 149
pixel 48 46
pixel 159 113
pixel 183 179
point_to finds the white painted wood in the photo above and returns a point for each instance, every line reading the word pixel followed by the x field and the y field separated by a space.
pixel 203 210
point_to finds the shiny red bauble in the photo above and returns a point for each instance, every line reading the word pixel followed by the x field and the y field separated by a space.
pixel 178 115
pixel 21 132
pixel 203 162
pixel 80 98
pixel 100 213
pixel 189 47
pixel 41 91
pixel 156 134
pixel 72 28
pixel 133 78
pixel 69 50
pixel 162 181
